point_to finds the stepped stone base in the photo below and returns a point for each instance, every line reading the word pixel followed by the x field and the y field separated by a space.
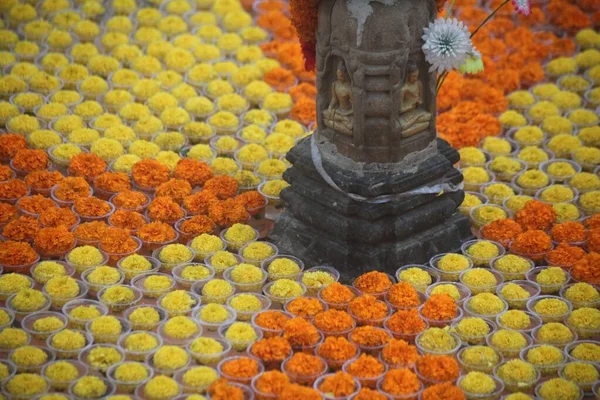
pixel 323 226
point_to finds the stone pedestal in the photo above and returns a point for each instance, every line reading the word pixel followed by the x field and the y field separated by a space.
pixel 322 225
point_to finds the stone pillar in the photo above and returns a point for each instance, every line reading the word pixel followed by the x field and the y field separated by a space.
pixel 352 201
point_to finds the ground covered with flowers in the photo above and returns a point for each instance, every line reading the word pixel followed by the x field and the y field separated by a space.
pixel 143 143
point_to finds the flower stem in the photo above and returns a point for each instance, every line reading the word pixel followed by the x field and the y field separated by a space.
pixel 485 21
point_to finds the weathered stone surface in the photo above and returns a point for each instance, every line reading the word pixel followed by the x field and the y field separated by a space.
pixel 315 247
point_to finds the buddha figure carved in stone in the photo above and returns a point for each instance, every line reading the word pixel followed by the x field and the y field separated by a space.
pixel 340 113
pixel 413 118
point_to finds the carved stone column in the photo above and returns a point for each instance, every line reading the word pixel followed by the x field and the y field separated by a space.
pixel 352 201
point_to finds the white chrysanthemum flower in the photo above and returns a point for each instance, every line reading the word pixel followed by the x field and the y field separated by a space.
pixel 447 44
pixel 522 6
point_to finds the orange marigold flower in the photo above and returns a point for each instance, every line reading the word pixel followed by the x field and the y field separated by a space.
pixel 569 232
pixel 367 307
pixel 334 321
pixel 22 229
pixel 305 364
pixel 593 239
pixel 369 394
pixel 438 367
pixel 306 307
pixel 125 219
pixel 532 242
pixel 302 90
pixel 72 188
pixel 536 215
pixel 532 73
pixel 280 78
pixel 17 253
pixel 271 349
pixel 91 231
pixel 176 189
pixel 369 336
pixel 197 225
pixel 337 293
pixel 156 232
pixel 399 353
pixel 165 209
pixel 91 207
pixel 150 173
pixel 54 241
pixel 30 160
pixel 337 349
pixel 300 332
pixel 587 269
pixel 439 307
pixel 194 171
pixel 6 173
pixel 7 212
pixel 242 367
pixel 404 295
pixel 53 217
pixel 443 391
pixel 221 389
pixel 373 282
pixel 117 241
pixel 198 203
pixel 252 201
pixel 339 384
pixel 593 222
pixel 10 144
pixel 13 189
pixel 130 200
pixel 227 212
pixel 113 182
pixel 294 391
pixel 43 179
pixel 400 381
pixel 305 110
pixel 407 322
pixel 564 255
pixel 224 187
pixel 35 204
pixel 501 230
pixel 271 319
pixel 272 382
pixel 87 165
pixel 365 366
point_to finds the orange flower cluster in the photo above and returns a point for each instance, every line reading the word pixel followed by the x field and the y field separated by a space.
pixel 252 201
pixel 337 349
pixel 6 173
pixel 536 215
pixel 306 307
pixel 404 295
pixel 125 219
pixel 164 209
pixel 156 232
pixel 10 144
pixel 53 217
pixel 334 321
pixel 197 225
pixel 17 253
pixel 29 160
pixel 13 189
pixel 303 90
pixel 304 110
pixel 54 241
pixel 271 349
pixel 440 307
pixel 564 255
pixel 443 391
pixel 593 239
pixel 176 189
pixel 87 165
pixel 466 124
pixel 272 382
pixel 91 231
pixel 373 282
pixel 228 212
pixel 7 212
pixel 438 368
pixel 305 364
pixel 72 188
pixel 194 171
pixel 407 322
pixel 91 207
pixel 242 367
pixel 294 391
pixel 365 366
pixel 118 241
pixel 532 242
pixel 593 222
pixel 221 389
pixel 35 204
pixel 113 182
pixel 150 173
pixel 369 394
pixel 223 187
pixel 130 200
pixel 280 79
pixel 272 320
pixel 400 382
pixel 299 332
pixel 369 336
pixel 337 293
pixel 22 229
pixel 43 179
pixel 340 384
pixel 399 353
pixel 368 308
pixel 501 230
pixel 587 269
pixel 569 232
pixel 199 203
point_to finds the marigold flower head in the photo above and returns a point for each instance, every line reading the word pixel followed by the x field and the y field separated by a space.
pixel 87 165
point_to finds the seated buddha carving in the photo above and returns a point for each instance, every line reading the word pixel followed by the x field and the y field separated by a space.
pixel 413 118
pixel 339 116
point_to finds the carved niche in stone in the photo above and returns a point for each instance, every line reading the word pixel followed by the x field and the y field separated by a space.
pixel 376 97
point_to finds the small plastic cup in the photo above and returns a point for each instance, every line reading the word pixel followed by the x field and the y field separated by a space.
pixel 59 302
pixel 82 370
pixel 534 322
pixel 210 359
pixel 236 246
pixel 108 338
pixel 573 344
pixel 303 379
pixel 120 306
pixel 214 326
pixel 539 396
pixel 357 387
pixel 546 370
pixel 448 276
pixel 70 353
pixel 32 369
pixel 535 334
pixel 140 326
pixel 100 365
pixel 114 258
pixel 77 323
pixel 484 366
pixel 442 323
pixel 239 345
pixel 479 223
pixel 463 291
pixel 476 289
pixel 41 279
pixel 139 356
pixel 519 304
pixel 487 396
pixel 481 261
pixel 365 382
pixel 218 269
pixel 508 353
pixel 257 262
pixel 524 386
pixel 236 379
pixel 313 290
pixel 127 386
pixel 167 372
pixel 28 324
pixel 470 312
pixel 173 313
pixel 130 274
pixel 280 301
pixel 473 340
pixel 168 267
pixel 273 276
pixel 247 315
pixel 197 288
pixel 586 387
pixel 407 337
pixel 549 317
pixel 511 276
pixel 550 289
pixel 252 287
pixel 360 320
pixel 19 315
pixel 139 283
pixel 338 306
pixel 450 352
pixel 110 390
pixel 95 288
pixel 371 350
pixel 578 304
pixel 187 284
